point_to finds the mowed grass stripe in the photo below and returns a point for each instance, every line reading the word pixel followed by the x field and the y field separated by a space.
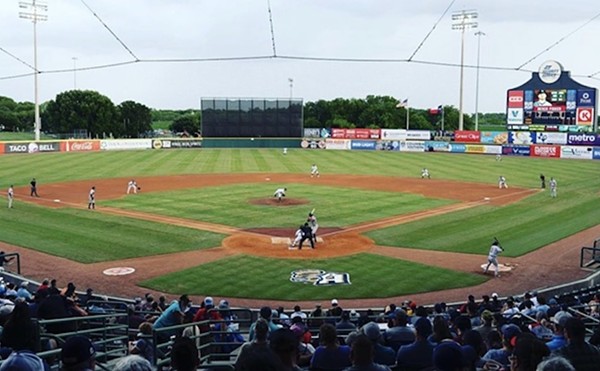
pixel 368 272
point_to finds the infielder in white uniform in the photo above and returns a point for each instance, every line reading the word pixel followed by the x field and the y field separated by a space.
pixel 502 182
pixel 297 237
pixel 132 186
pixel 11 195
pixel 425 173
pixel 493 257
pixel 314 171
pixel 314 226
pixel 280 193
pixel 552 187
pixel 92 198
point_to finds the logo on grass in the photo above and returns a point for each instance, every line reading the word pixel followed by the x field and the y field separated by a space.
pixel 319 277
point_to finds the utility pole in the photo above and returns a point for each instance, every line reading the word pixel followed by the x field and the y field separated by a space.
pixel 74 73
pixel 478 34
pixel 461 21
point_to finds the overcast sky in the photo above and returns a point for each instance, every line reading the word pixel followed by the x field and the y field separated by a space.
pixel 516 31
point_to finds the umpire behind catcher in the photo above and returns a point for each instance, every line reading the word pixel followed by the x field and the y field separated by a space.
pixel 306 235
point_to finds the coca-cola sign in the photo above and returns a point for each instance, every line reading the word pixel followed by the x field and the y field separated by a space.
pixel 83 145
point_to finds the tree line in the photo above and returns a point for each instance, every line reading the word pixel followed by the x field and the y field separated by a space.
pixel 96 115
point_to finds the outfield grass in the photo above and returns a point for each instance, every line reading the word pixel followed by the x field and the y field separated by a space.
pixel 370 275
pixel 230 205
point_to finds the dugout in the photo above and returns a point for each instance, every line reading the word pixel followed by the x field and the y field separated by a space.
pixel 251 118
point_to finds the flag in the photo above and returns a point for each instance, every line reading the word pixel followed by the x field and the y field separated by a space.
pixel 440 108
pixel 436 111
pixel 403 103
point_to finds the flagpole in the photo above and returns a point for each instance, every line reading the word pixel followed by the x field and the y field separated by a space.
pixel 407 117
pixel 442 120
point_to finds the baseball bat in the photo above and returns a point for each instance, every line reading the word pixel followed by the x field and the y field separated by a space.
pixel 312 211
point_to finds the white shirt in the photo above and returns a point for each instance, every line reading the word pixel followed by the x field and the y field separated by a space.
pixel 279 191
pixel 494 251
pixel 314 169
pixel 298 233
pixel 131 183
pixel 425 172
pixel 11 192
pixel 553 184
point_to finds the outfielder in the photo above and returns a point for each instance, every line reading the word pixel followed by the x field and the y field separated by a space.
pixel 11 195
pixel 132 186
pixel 280 193
pixel 314 226
pixel 297 237
pixel 425 173
pixel 493 257
pixel 92 198
pixel 314 171
pixel 552 184
pixel 502 182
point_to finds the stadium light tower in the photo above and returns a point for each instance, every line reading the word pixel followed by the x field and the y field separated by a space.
pixel 74 73
pixel 463 20
pixel 33 12
pixel 291 81
pixel 478 34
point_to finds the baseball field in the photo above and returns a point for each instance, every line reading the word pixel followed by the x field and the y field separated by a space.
pixel 205 222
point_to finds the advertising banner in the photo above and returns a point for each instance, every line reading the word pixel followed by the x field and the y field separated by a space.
pixel 338 144
pixel 393 134
pixel 583 139
pixel 458 148
pixel 551 138
pixel 494 137
pixel 586 98
pixel 516 150
pixel 515 99
pixel 474 148
pixel 176 143
pixel 312 133
pixel 578 152
pixel 596 153
pixel 545 151
pixel 388 145
pixel 585 116
pixel 365 145
pixel 437 146
pixel 80 145
pixel 312 143
pixel 521 137
pixel 337 133
pixel 124 144
pixel 418 135
pixel 514 116
pixel 31 147
pixel 467 136
pixel 412 146
pixel 355 133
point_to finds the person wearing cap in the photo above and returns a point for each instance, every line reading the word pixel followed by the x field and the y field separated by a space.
pixel 316 316
pixel 398 333
pixel 509 335
pixel 449 356
pixel 23 292
pixel 486 327
pixel 582 355
pixel 343 326
pixel 174 315
pixel 542 306
pixel 330 355
pixel 132 363
pixel 24 360
pixel 419 354
pixel 558 339
pixel 495 249
pixel 528 353
pixel 361 354
pixel 78 354
pixel 335 310
pixel 381 354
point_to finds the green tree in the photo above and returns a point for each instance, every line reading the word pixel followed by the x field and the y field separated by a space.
pixel 186 124
pixel 135 117
pixel 83 110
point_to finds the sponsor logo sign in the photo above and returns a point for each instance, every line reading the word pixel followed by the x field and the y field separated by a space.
pixel 551 138
pixel 458 148
pixel 82 145
pixel 409 146
pixel 515 99
pixel 312 133
pixel 319 277
pixel 355 133
pixel 571 99
pixel 121 144
pixel 467 136
pixel 388 145
pixel 393 134
pixel 494 137
pixel 471 148
pixel 367 145
pixel 339 144
pixel 438 146
pixel 585 116
pixel 521 137
pixel 418 134
pixel 596 153
pixel 589 139
pixel 180 143
pixel 514 116
pixel 550 72
pixel 579 152
pixel 516 150
pixel 545 151
pixel 528 105
pixel 586 98
pixel 32 147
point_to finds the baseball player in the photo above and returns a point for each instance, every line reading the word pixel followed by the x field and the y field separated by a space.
pixel 92 198
pixel 314 226
pixel 314 171
pixel 552 184
pixel 297 237
pixel 425 173
pixel 132 186
pixel 10 194
pixel 285 150
pixel 280 193
pixel 502 182
pixel 495 249
pixel 543 181
pixel 306 235
pixel 33 185
pixel 498 157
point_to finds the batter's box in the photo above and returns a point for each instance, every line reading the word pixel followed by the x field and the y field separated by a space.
pixel 287 240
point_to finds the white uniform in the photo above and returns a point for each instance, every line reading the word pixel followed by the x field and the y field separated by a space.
pixel 314 226
pixel 425 174
pixel 314 171
pixel 11 195
pixel 132 186
pixel 279 193
pixel 493 257
pixel 285 151
pixel 552 187
pixel 92 198
pixel 502 182
pixel 297 237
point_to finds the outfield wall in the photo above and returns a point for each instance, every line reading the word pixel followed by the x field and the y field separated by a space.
pixel 574 147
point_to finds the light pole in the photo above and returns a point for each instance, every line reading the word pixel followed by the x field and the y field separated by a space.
pixel 291 81
pixel 34 8
pixel 478 34
pixel 463 20
pixel 74 73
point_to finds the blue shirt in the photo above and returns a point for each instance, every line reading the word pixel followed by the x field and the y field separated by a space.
pixel 557 342
pixel 416 355
pixel 498 355
pixel 331 358
pixel 170 317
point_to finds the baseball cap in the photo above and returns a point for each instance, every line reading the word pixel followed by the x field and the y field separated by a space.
pixel 552 301
pixel 223 304
pixel 372 331
pixel 208 301
pixel 509 332
pixel 77 349
pixel 494 295
pixel 448 356
pixel 22 360
pixel 561 317
pixel 334 302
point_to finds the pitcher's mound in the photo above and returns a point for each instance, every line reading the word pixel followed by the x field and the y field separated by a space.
pixel 275 202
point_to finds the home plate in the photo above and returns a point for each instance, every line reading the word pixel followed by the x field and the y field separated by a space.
pixel 267 178
pixel 486 198
pixel 501 268
pixel 287 241
pixel 57 200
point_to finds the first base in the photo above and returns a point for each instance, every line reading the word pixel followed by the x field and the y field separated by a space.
pixel 57 200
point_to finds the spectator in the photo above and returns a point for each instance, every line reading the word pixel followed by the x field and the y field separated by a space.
pixel 555 363
pixel 19 331
pixel 495 303
pixel 24 360
pixel 132 363
pixel 558 339
pixel 88 296
pixel 284 319
pixel 162 303
pixel 542 306
pixel 330 354
pixel 474 339
pixel 448 356
pixel 462 324
pixel 419 354
pixel 184 355
pixel 23 292
pixel 509 335
pixel 541 328
pixel 528 353
pixel 257 349
pixel 381 354
pixel 55 307
pixel 143 345
pixel 315 317
pixel 335 310
pixel 441 330
pixel 298 311
pixel 53 289
pixel 594 306
pixel 486 324
pixel 43 288
pixel 509 309
pixel 305 348
pixel 361 355
pixel 265 313
pixel 581 354
pixel 344 326
pixel 284 343
pixel 399 334
pixel 78 354
pixel 174 315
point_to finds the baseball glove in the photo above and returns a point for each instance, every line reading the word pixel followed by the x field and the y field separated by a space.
pixel 139 188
